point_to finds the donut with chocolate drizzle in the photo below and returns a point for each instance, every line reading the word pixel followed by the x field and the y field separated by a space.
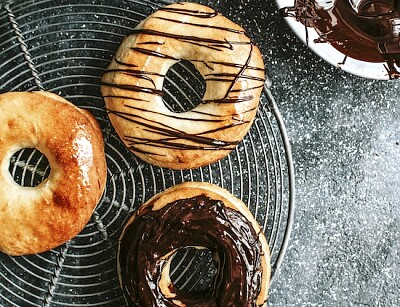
pixel 201 215
pixel 230 63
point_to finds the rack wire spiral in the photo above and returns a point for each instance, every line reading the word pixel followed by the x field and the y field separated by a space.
pixel 64 47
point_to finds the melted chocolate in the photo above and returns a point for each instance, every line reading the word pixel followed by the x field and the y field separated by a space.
pixel 197 221
pixel 366 30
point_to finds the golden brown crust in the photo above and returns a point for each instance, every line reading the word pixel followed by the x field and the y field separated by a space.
pixel 37 219
pixel 191 189
pixel 223 54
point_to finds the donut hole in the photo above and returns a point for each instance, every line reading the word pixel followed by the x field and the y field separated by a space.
pixel 193 270
pixel 29 167
pixel 183 87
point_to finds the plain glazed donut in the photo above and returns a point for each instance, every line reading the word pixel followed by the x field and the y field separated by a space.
pixel 225 56
pixel 194 214
pixel 36 219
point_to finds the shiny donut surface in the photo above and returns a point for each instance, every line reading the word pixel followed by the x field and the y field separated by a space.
pixel 36 219
pixel 230 63
pixel 200 215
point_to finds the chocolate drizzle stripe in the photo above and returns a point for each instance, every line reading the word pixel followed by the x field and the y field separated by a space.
pixel 214 141
pixel 247 89
pixel 187 37
pixel 169 131
pixel 154 53
pixel 230 115
pixel 135 72
pixel 176 117
pixel 194 13
pixel 238 123
pixel 241 70
pixel 209 114
pixel 210 141
pixel 206 64
pixel 238 99
pixel 203 62
pixel 237 65
pixel 231 75
pixel 145 152
pixel 155 126
pixel 163 130
pixel 212 47
pixel 151 43
pixel 218 80
pixel 202 25
pixel 134 88
pixel 193 111
pixel 167 143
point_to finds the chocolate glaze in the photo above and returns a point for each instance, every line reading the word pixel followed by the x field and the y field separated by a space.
pixel 197 221
pixel 366 31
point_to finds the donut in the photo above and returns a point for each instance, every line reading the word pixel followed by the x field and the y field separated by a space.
pixel 200 215
pixel 228 60
pixel 37 219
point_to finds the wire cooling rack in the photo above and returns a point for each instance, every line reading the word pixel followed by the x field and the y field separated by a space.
pixel 64 47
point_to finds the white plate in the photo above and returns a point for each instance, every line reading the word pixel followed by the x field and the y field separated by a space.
pixel 330 54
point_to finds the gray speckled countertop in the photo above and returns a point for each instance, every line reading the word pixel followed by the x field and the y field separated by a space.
pixel 345 137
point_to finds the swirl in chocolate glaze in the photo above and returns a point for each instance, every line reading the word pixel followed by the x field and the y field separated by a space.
pixel 241 81
pixel 198 221
pixel 366 30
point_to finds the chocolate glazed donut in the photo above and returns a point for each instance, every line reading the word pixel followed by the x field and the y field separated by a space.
pixel 224 55
pixel 200 215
